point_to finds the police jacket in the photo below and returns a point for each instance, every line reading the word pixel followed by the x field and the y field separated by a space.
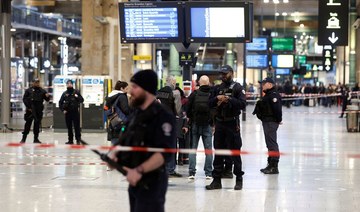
pixel 231 109
pixel 70 100
pixel 269 109
pixel 191 107
pixel 34 98
pixel 152 127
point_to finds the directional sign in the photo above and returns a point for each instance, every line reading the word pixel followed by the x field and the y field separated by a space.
pixel 327 60
pixel 186 58
pixel 333 22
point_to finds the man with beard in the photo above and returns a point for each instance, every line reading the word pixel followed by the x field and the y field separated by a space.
pixel 69 104
pixel 229 99
pixel 33 100
pixel 151 125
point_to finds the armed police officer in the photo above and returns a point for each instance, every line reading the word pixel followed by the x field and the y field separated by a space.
pixel 151 125
pixel 229 99
pixel 269 111
pixel 33 100
pixel 69 104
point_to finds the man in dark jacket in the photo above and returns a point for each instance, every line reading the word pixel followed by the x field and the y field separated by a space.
pixel 69 104
pixel 33 100
pixel 229 99
pixel 269 111
pixel 199 113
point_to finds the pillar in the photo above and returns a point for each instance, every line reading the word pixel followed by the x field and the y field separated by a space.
pixel 5 24
pixel 102 53
pixel 174 68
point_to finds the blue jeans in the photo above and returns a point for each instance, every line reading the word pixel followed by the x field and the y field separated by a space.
pixel 206 134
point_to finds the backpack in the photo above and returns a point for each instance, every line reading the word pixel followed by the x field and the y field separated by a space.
pixel 201 108
pixel 166 97
pixel 115 116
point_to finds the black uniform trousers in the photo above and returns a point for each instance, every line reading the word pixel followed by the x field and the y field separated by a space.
pixel 29 116
pixel 73 117
pixel 227 136
pixel 149 199
pixel 270 133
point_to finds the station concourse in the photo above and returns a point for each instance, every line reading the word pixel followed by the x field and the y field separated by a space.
pixel 88 43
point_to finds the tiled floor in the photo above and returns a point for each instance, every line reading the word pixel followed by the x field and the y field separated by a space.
pixel 316 172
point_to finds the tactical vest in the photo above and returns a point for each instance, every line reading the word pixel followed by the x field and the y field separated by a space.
pixel 70 102
pixel 36 95
pixel 134 135
pixel 224 111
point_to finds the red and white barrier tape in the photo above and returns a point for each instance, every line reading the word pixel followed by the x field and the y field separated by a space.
pixel 187 151
pixel 53 164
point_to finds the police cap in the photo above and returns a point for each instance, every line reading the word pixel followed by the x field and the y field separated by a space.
pixel 226 69
pixel 267 79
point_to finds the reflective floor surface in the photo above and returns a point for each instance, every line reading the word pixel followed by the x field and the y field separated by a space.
pixel 319 171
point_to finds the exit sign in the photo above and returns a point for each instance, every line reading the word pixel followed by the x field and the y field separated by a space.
pixel 333 22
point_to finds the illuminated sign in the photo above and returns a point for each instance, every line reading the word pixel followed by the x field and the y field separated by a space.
pixel 327 59
pixel 333 22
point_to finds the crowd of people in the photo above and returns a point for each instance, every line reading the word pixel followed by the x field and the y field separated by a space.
pixel 312 95
pixel 141 115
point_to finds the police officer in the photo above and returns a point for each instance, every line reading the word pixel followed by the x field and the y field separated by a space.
pixel 33 100
pixel 269 111
pixel 229 99
pixel 151 125
pixel 69 104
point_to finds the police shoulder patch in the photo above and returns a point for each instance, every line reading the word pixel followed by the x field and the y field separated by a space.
pixel 166 127
pixel 274 99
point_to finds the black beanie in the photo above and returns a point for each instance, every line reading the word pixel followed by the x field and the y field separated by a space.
pixel 147 79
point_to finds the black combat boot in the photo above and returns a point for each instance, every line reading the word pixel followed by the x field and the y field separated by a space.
pixel 69 142
pixel 227 174
pixel 238 184
pixel 272 168
pixel 23 139
pixel 267 166
pixel 215 184
pixel 36 139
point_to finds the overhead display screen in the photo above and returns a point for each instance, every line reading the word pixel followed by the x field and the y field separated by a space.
pixel 205 21
pixel 258 44
pixel 282 71
pixel 257 61
pixel 150 22
pixel 283 44
pixel 282 61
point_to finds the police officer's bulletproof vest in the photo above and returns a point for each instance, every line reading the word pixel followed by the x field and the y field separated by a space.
pixel 225 111
pixel 166 97
pixel 36 95
pixel 134 135
pixel 201 109
pixel 70 101
pixel 263 110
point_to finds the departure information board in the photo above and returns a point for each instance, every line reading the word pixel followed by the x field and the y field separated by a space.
pixel 153 22
pixel 257 61
pixel 257 44
pixel 150 22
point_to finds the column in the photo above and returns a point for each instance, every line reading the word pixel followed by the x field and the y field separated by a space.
pixel 5 25
pixel 102 53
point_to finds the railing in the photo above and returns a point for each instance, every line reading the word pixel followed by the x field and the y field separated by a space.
pixel 28 17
